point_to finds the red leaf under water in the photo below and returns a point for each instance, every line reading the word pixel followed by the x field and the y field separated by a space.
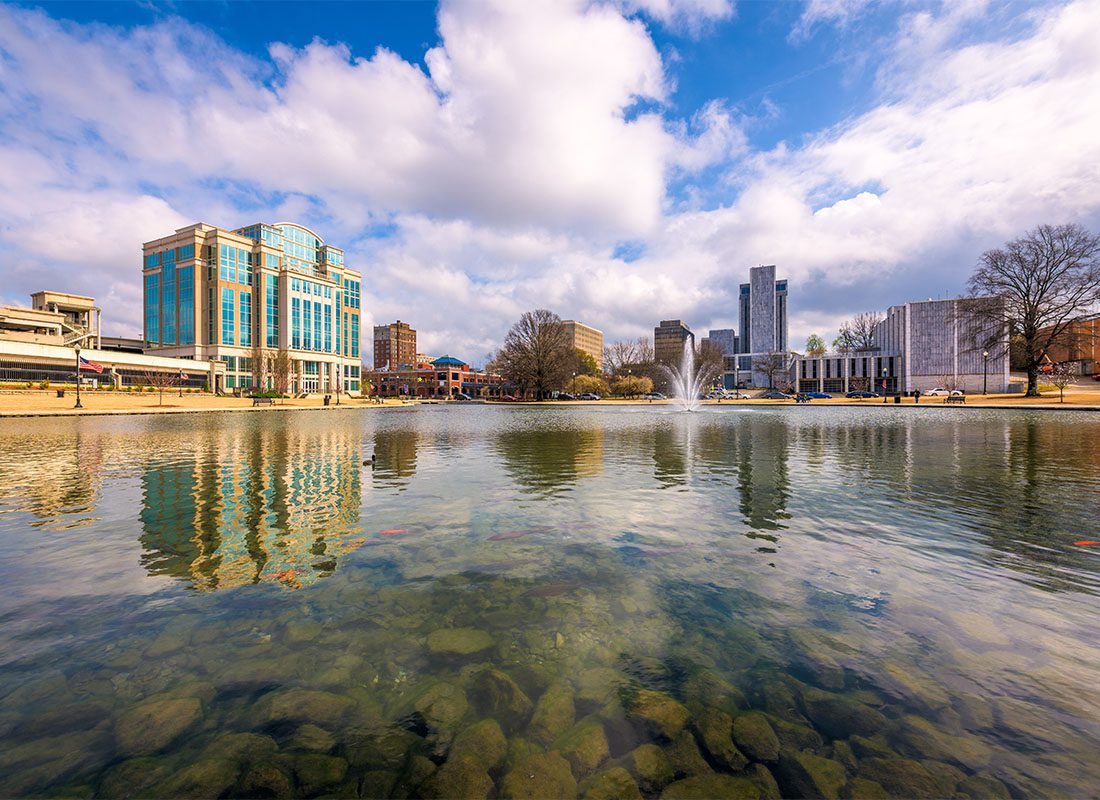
pixel 391 531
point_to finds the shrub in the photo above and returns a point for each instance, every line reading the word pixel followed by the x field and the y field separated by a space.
pixel 44 385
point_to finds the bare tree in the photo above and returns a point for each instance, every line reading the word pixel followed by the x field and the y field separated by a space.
pixel 858 333
pixel 1060 376
pixel 709 361
pixel 537 355
pixel 160 381
pixel 774 365
pixel 280 365
pixel 259 366
pixel 1048 280
pixel 621 355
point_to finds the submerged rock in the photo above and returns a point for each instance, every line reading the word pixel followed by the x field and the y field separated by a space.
pixel 917 737
pixel 267 779
pixel 900 777
pixel 795 736
pixel 154 724
pixel 871 747
pixel 584 746
pixel 133 778
pixel 945 775
pixel 650 767
pixel 806 775
pixel 483 741
pixel 546 776
pixel 553 714
pixel 982 786
pixel 712 787
pixel 863 789
pixel 715 732
pixel 210 777
pixel 418 769
pixel 317 772
pixel 459 641
pixel 684 756
pixel 305 705
pixel 498 696
pixel 660 713
pixel 762 777
pixel 385 749
pixel 312 738
pixel 239 746
pixel 441 705
pixel 462 776
pixel 378 783
pixel 598 686
pixel 839 717
pixel 611 784
pixel 755 737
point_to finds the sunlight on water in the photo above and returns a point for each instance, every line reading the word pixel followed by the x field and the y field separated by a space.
pixel 741 602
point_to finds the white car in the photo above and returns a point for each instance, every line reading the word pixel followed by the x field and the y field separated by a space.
pixel 938 392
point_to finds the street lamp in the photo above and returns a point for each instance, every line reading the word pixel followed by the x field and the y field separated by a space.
pixel 574 385
pixel 985 370
pixel 885 372
pixel 78 378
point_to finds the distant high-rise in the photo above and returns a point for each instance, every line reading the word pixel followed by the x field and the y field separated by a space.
pixel 394 346
pixel 763 322
pixel 668 341
pixel 725 339
pixel 586 339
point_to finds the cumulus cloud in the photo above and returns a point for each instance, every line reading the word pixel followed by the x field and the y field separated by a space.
pixel 502 175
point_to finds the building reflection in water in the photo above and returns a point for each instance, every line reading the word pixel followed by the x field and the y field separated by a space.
pixel 253 505
pixel 549 460
pixel 395 452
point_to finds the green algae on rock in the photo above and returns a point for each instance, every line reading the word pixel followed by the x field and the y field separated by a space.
pixel 544 776
pixel 459 641
pixel 614 783
pixel 584 746
pixel 553 715
pixel 663 715
pixel 483 741
pixel 154 724
pixel 755 737
pixel 806 775
pixel 712 787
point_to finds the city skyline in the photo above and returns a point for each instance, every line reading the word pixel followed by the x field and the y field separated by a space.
pixel 871 152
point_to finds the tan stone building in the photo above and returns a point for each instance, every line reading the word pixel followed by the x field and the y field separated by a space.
pixel 394 346
pixel 668 341
pixel 255 292
pixel 53 318
pixel 586 339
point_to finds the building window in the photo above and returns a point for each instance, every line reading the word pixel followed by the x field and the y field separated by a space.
pixel 296 323
pixel 307 325
pixel 152 260
pixel 228 317
pixel 317 334
pixel 244 266
pixel 271 308
pixel 187 304
pixel 152 307
pixel 187 252
pixel 246 319
pixel 355 336
pixel 328 328
pixel 168 298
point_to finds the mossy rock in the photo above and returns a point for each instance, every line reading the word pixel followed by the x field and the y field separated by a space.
pixel 684 756
pixel 317 772
pixel 305 705
pixel 483 741
pixel 610 784
pixel 718 692
pixel 267 779
pixel 311 738
pixel 839 717
pixel 385 749
pixel 554 714
pixel 762 777
pixel 520 749
pixel 545 776
pixel 133 778
pixel 650 767
pixel 623 734
pixel 946 776
pixel 900 777
pixel 842 752
pixel 714 730
pixel 982 786
pixel 209 777
pixel 871 747
pixel 913 687
pixel 155 724
pixel 62 720
pixel 918 738
pixel 497 695
pixel 442 705
pixel 598 686
pixel 795 736
pixel 660 713
pixel 863 789
pixel 712 787
pixel 462 776
pixel 584 746
pixel 755 737
pixel 417 770
pixel 377 783
pixel 803 774
pixel 459 641
pixel 239 746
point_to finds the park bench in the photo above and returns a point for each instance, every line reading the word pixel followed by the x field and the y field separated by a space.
pixel 957 398
pixel 263 401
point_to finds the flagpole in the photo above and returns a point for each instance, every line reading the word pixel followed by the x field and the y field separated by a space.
pixel 78 378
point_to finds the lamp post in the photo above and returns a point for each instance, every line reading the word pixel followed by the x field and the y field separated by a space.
pixel 179 380
pixel 885 372
pixel 985 370
pixel 574 386
pixel 78 378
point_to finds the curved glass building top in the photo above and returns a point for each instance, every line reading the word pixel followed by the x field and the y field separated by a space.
pixel 302 248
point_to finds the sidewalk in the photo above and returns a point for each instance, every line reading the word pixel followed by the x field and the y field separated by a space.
pixel 48 404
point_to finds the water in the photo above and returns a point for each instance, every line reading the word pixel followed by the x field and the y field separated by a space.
pixel 547 602
pixel 685 383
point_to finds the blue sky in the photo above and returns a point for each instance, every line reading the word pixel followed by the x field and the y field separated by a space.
pixel 620 162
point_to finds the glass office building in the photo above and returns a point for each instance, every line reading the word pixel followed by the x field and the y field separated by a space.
pixel 275 302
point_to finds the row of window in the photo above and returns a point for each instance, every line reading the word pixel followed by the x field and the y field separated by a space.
pixel 235 264
pixel 300 286
pixel 351 293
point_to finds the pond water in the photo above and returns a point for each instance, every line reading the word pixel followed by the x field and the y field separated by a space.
pixel 541 602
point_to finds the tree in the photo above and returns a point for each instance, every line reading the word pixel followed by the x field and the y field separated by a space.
pixel 584 363
pixel 537 355
pixel 815 345
pixel 591 384
pixel 1047 280
pixel 280 366
pixel 1060 376
pixel 710 361
pixel 621 355
pixel 774 365
pixel 858 333
pixel 259 367
pixel 632 385
pixel 161 381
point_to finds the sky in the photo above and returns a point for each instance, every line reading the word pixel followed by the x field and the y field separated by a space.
pixel 616 161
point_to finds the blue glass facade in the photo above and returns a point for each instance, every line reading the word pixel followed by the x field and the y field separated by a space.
pixel 296 323
pixel 168 297
pixel 186 289
pixel 271 308
pixel 152 306
pixel 228 317
pixel 245 328
pixel 355 336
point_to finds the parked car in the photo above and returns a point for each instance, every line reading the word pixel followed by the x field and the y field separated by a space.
pixel 1096 377
pixel 653 396
pixel 735 395
pixel 775 395
pixel 565 396
pixel 860 394
pixel 508 398
pixel 462 396
pixel 940 392
pixel 589 396
pixel 819 395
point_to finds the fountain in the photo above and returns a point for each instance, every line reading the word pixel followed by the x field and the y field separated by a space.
pixel 685 385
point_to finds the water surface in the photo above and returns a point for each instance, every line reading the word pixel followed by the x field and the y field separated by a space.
pixel 551 602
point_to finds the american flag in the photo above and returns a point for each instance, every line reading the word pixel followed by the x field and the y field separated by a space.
pixel 93 366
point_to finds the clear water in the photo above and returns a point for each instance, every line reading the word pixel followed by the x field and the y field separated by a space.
pixel 233 605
